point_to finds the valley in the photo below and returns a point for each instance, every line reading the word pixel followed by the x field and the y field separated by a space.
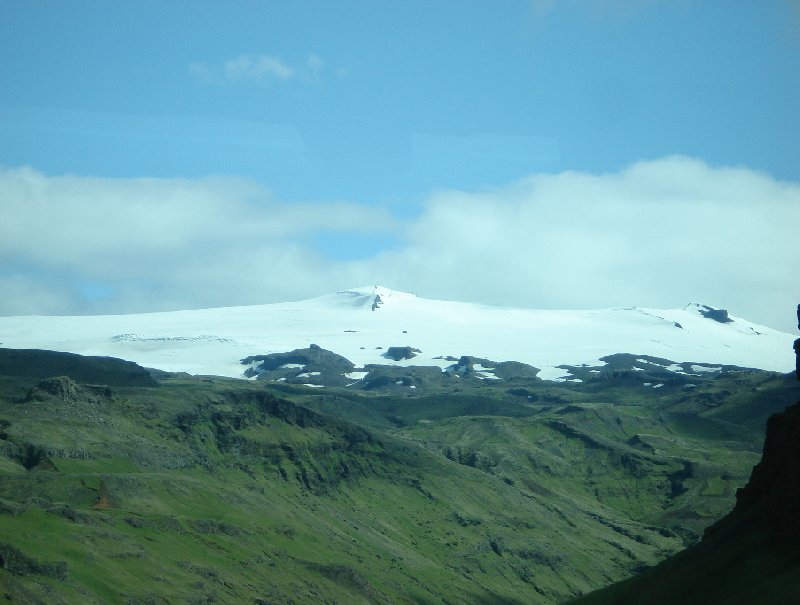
pixel 210 489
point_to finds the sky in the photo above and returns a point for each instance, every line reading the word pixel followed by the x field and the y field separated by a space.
pixel 535 153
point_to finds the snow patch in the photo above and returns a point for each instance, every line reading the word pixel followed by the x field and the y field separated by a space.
pixel 554 374
pixel 199 338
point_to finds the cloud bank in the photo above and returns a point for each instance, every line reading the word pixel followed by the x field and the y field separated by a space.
pixel 254 69
pixel 659 233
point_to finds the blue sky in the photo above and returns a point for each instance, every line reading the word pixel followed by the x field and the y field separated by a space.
pixel 381 108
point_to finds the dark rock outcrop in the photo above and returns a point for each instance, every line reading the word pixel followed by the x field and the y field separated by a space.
pixel 328 368
pixel 720 315
pixel 392 377
pixel 17 562
pixel 773 492
pixel 511 370
pixel 399 353
pixel 797 348
pixel 38 364
pixel 62 387
pixel 772 496
pixel 505 370
pixel 466 365
pixel 66 389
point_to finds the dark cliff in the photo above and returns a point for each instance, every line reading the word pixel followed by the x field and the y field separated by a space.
pixel 773 492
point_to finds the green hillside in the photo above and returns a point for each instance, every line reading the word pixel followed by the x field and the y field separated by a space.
pixel 207 490
pixel 750 556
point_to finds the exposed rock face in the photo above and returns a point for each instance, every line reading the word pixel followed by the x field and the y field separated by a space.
pixel 62 387
pixel 17 562
pixel 314 364
pixel 773 492
pixel 797 348
pixel 509 370
pixel 774 486
pixel 797 358
pixel 505 370
pixel 720 315
pixel 398 353
pixel 84 396
pixel 394 377
pixel 312 357
pixel 466 365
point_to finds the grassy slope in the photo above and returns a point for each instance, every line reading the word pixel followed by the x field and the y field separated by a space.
pixel 742 567
pixel 209 491
pixel 749 556
pixel 670 457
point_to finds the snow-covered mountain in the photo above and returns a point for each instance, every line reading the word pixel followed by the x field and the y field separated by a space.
pixel 361 324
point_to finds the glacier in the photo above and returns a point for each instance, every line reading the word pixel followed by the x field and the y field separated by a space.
pixel 362 323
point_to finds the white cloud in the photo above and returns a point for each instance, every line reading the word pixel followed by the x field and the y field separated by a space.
pixel 660 234
pixel 251 68
pixel 163 242
pixel 255 69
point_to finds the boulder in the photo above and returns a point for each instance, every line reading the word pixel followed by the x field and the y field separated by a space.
pixel 399 353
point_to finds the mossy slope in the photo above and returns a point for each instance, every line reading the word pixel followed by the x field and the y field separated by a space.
pixel 204 490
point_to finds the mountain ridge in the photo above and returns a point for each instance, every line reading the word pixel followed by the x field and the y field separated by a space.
pixel 362 323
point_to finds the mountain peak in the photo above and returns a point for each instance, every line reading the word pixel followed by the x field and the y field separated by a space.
pixel 374 296
pixel 720 315
pixel 377 291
